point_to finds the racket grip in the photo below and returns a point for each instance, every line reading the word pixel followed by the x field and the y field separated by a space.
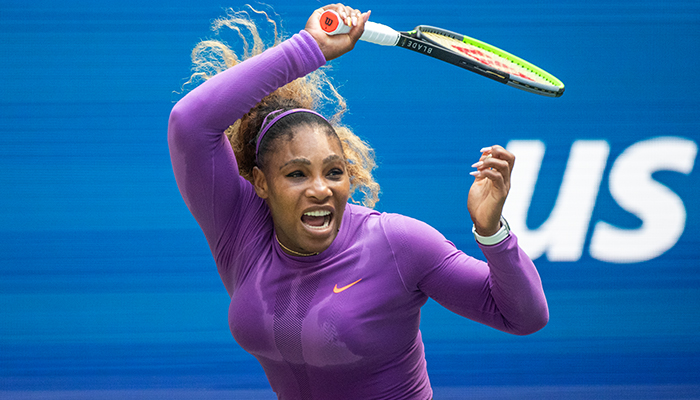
pixel 375 33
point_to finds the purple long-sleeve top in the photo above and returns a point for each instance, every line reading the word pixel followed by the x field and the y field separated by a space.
pixel 343 324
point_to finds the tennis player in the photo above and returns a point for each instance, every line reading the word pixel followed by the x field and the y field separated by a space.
pixel 325 293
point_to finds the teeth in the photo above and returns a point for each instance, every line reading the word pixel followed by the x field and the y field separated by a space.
pixel 325 225
pixel 317 213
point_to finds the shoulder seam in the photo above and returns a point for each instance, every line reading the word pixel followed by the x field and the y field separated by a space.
pixel 402 238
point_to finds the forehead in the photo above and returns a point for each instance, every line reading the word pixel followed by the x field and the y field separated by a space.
pixel 307 141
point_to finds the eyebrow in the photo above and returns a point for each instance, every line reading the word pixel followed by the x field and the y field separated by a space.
pixel 296 161
pixel 332 158
pixel 306 161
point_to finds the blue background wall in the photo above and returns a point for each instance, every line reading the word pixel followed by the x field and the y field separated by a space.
pixel 107 288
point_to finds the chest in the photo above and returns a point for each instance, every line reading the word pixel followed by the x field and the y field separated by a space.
pixel 351 310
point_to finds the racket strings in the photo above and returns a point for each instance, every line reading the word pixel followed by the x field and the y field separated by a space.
pixel 487 57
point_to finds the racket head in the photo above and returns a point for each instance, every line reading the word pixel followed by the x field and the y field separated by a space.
pixel 521 74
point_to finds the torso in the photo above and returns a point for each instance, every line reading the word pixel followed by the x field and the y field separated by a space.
pixel 345 311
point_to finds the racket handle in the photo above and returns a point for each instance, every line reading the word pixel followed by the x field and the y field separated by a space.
pixel 375 33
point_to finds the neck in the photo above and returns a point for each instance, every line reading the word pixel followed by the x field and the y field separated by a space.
pixel 292 252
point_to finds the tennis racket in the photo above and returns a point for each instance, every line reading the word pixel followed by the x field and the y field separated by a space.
pixel 462 51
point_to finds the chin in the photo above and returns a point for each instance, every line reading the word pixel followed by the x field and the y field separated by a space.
pixel 318 239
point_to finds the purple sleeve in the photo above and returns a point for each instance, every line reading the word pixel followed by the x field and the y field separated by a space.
pixel 505 293
pixel 516 286
pixel 203 162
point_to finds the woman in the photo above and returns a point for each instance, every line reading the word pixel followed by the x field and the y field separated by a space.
pixel 327 294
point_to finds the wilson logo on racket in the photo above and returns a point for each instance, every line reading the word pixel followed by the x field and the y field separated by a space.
pixel 330 24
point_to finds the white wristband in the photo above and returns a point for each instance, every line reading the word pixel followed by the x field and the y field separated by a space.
pixel 497 237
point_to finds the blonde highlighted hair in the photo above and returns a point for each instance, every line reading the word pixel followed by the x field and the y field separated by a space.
pixel 314 91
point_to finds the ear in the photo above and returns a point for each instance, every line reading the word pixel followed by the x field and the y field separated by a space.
pixel 260 183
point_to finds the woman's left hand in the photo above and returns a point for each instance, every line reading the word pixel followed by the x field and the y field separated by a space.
pixel 490 189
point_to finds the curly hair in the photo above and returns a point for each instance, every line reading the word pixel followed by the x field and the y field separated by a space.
pixel 314 91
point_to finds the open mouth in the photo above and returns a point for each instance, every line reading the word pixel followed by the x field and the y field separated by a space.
pixel 318 220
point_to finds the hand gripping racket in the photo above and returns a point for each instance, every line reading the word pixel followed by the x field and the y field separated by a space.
pixel 462 51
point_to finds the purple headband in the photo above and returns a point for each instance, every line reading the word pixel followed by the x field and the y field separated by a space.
pixel 265 126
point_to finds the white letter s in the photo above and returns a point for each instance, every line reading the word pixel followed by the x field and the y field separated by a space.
pixel 662 212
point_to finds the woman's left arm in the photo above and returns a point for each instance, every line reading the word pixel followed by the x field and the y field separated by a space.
pixel 515 287
pixel 514 281
pixel 506 291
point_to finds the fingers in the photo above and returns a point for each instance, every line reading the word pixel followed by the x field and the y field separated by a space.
pixel 490 188
pixel 358 27
pixel 495 163
pixel 350 16
pixel 499 153
pixel 334 46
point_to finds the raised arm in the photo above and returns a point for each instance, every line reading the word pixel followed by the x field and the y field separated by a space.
pixel 203 162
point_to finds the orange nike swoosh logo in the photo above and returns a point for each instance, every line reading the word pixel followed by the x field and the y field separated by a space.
pixel 336 289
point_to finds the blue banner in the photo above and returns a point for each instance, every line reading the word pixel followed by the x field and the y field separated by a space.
pixel 107 286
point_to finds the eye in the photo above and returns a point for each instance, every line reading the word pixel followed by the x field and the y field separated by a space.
pixel 295 174
pixel 335 173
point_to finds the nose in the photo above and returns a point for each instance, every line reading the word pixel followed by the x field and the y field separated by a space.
pixel 319 189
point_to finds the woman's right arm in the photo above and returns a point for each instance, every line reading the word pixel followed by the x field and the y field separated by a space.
pixel 203 162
